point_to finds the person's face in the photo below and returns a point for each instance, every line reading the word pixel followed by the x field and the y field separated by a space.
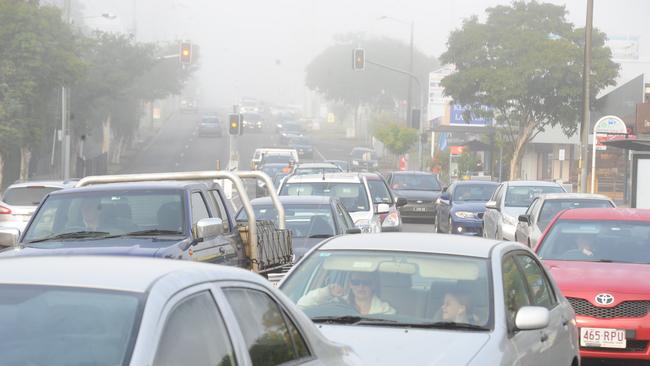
pixel 452 308
pixel 361 286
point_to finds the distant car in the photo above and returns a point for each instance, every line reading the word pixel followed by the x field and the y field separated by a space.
pixel 532 224
pixel 260 152
pixel 278 178
pixel 600 258
pixel 511 199
pixel 289 130
pixel 435 300
pixel 363 159
pixel 344 165
pixel 460 208
pixel 315 168
pixel 20 200
pixel 420 189
pixel 271 169
pixel 311 219
pixel 210 126
pixel 138 311
pixel 189 106
pixel 303 145
pixel 252 121
pixel 277 158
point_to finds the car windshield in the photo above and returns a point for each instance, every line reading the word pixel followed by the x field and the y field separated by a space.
pixel 596 240
pixel 523 196
pixel 61 326
pixel 303 220
pixel 478 192
pixel 352 195
pixel 553 207
pixel 403 288
pixel 415 182
pixel 379 192
pixel 92 215
pixel 26 196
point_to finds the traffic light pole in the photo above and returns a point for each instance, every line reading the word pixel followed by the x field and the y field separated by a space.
pixel 65 102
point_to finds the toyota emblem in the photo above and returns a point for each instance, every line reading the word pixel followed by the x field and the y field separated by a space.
pixel 604 299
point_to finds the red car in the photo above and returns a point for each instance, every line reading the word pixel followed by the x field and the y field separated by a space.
pixel 600 258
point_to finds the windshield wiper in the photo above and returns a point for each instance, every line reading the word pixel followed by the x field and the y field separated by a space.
pixel 152 232
pixel 351 319
pixel 447 325
pixel 72 235
pixel 320 236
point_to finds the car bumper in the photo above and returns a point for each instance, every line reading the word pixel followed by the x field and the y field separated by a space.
pixel 637 337
pixel 467 227
pixel 417 211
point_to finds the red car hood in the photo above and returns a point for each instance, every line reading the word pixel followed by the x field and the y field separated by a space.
pixel 587 279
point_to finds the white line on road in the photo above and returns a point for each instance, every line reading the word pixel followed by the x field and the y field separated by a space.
pixel 321 156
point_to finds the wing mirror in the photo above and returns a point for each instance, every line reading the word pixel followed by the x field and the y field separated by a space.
pixel 383 208
pixel 209 228
pixel 9 237
pixel 524 218
pixel 532 318
pixel 493 205
pixel 401 202
pixel 445 196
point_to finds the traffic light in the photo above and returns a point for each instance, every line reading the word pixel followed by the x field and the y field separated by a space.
pixel 235 125
pixel 186 53
pixel 359 63
pixel 415 119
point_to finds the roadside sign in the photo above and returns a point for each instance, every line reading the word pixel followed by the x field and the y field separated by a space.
pixel 156 113
pixel 455 150
pixel 610 125
pixel 561 154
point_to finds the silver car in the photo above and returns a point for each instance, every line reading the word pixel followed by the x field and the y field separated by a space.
pixel 134 311
pixel 20 200
pixel 532 224
pixel 434 299
pixel 510 200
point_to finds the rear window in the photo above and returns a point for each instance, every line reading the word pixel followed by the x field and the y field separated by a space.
pixel 553 207
pixel 379 192
pixel 352 195
pixel 523 196
pixel 27 196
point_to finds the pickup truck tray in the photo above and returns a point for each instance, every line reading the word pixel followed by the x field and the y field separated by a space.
pixel 273 246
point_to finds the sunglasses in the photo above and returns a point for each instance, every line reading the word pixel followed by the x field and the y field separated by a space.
pixel 358 282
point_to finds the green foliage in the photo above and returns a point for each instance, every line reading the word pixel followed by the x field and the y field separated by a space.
pixel 397 139
pixel 525 62
pixel 467 163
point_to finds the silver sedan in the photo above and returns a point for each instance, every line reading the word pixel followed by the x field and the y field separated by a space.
pixel 74 311
pixel 432 299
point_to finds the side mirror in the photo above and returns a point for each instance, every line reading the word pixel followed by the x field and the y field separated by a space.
pixel 492 204
pixel 445 196
pixel 401 202
pixel 354 230
pixel 383 208
pixel 9 237
pixel 532 318
pixel 444 189
pixel 524 218
pixel 209 228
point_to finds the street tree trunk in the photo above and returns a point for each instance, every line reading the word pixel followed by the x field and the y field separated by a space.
pixel 520 144
pixel 2 166
pixel 25 158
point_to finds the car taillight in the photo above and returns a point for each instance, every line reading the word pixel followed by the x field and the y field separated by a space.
pixel 5 210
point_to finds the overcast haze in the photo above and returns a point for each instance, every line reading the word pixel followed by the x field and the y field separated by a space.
pixel 260 48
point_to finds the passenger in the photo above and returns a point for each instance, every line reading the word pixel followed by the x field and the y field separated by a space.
pixel 362 296
pixel 90 208
pixel 456 307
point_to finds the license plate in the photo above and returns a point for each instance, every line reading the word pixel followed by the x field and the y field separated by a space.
pixel 419 209
pixel 602 338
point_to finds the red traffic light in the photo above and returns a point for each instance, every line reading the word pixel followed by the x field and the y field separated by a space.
pixel 186 53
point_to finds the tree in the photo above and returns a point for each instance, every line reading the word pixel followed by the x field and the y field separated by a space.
pixel 524 63
pixel 397 139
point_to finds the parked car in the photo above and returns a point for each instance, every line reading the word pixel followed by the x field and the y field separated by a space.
pixel 532 224
pixel 460 208
pixel 420 189
pixel 82 311
pixel 350 188
pixel 20 200
pixel 600 258
pixel 210 126
pixel 363 159
pixel 303 145
pixel 435 300
pixel 315 168
pixel 510 200
pixel 311 219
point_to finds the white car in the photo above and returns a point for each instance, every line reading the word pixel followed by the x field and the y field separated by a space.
pixel 510 200
pixel 66 311
pixel 350 188
pixel 259 154
pixel 435 299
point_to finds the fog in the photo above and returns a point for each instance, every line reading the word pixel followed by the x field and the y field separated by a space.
pixel 260 48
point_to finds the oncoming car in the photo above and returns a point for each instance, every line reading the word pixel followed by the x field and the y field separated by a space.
pixel 438 299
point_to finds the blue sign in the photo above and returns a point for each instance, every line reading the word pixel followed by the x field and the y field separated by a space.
pixel 442 143
pixel 457 117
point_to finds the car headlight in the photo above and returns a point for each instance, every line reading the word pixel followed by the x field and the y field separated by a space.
pixel 364 225
pixel 392 220
pixel 509 220
pixel 464 214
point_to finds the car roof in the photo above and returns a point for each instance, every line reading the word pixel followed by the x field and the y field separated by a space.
pixel 580 196
pixel 135 274
pixel 476 182
pixel 609 214
pixel 163 185
pixel 315 165
pixel 327 177
pixel 414 242
pixel 517 183
pixel 295 200
pixel 45 183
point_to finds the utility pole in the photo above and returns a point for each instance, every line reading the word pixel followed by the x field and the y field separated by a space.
pixel 65 103
pixel 409 102
pixel 584 128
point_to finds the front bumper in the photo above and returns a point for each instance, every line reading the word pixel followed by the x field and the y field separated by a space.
pixel 417 211
pixel 467 227
pixel 637 334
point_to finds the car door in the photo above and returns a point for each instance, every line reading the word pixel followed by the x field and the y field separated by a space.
pixel 269 332
pixel 556 349
pixel 230 231
pixel 444 209
pixel 211 250
pixel 491 217
pixel 524 228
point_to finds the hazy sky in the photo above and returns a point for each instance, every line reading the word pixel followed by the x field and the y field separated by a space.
pixel 260 48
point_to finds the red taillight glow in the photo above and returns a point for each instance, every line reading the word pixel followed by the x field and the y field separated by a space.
pixel 5 210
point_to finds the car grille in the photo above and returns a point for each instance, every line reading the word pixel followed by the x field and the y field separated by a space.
pixel 626 309
pixel 632 345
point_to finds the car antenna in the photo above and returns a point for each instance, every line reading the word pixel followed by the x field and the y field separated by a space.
pixel 323 172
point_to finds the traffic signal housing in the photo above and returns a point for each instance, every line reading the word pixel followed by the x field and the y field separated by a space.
pixel 186 53
pixel 359 61
pixel 235 124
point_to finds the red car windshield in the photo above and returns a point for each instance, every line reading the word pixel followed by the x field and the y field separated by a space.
pixel 597 241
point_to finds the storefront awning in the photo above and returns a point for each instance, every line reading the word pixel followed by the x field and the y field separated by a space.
pixel 630 144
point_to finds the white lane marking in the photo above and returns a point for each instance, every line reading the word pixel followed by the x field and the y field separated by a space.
pixel 322 157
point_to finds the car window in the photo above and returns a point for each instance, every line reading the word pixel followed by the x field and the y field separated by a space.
pixel 514 289
pixel 415 182
pixel 195 334
pixel 199 210
pixel 522 196
pixel 26 196
pixel 303 220
pixel 379 192
pixel 532 206
pixel 539 287
pixel 472 192
pixel 553 207
pixel 352 195
pixel 268 335
pixel 498 195
pixel 221 213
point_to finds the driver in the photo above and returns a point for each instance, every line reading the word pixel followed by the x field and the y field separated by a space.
pixel 362 296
